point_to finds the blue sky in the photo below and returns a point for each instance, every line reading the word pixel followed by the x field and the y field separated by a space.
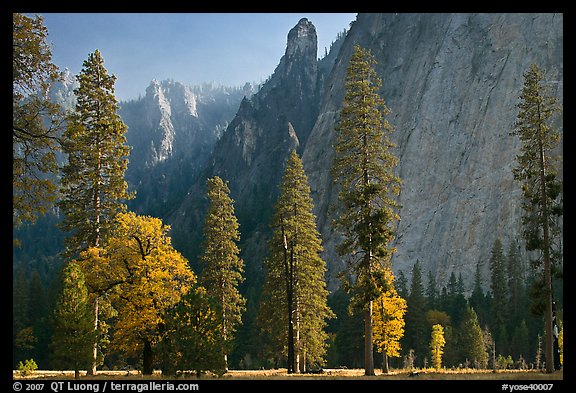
pixel 190 48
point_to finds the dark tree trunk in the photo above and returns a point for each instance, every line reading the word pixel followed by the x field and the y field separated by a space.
pixel 368 351
pixel 147 361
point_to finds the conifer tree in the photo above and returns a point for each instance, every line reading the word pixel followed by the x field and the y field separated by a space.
pixel 416 329
pixel 73 323
pixel 538 172
pixel 515 280
pixel 222 265
pixel 437 345
pixel 294 308
pixel 432 291
pixel 192 338
pixel 472 339
pixel 477 299
pixel 92 184
pixel 499 294
pixel 401 285
pixel 363 167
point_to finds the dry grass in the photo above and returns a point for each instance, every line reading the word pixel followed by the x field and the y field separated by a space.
pixel 328 374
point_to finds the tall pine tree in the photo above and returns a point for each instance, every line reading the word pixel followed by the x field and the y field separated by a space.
pixel 499 296
pixel 416 327
pixel 294 308
pixel 92 185
pixel 363 167
pixel 538 172
pixel 73 323
pixel 222 265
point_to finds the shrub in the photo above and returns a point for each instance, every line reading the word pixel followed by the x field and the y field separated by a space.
pixel 27 367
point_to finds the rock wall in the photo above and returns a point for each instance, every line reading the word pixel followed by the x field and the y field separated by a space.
pixel 452 82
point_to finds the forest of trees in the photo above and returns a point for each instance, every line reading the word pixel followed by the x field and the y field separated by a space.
pixel 121 295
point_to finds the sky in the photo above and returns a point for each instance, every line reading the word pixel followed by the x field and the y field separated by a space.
pixel 190 48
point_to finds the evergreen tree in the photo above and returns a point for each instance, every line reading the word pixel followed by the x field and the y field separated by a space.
pixel 192 338
pixel 516 286
pixel 36 121
pixel 520 346
pixel 437 345
pixel 389 310
pixel 499 294
pixel 401 285
pixel 222 265
pixel 477 299
pixel 472 340
pixel 346 349
pixel 432 291
pixel 92 184
pixel 363 167
pixel 542 185
pixel 73 323
pixel 416 328
pixel 452 350
pixel 294 310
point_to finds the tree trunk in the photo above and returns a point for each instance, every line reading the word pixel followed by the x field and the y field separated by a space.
pixel 288 272
pixel 547 267
pixel 385 368
pixel 296 323
pixel 147 359
pixel 92 369
pixel 368 352
pixel 76 374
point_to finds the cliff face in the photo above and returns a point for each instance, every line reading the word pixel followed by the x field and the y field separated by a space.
pixel 172 131
pixel 252 151
pixel 452 83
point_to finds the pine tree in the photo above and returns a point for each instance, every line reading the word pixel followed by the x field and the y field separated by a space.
pixel 432 291
pixel 477 299
pixel 294 308
pixel 192 338
pixel 416 329
pixel 222 265
pixel 363 168
pixel 437 343
pixel 472 339
pixel 538 172
pixel 499 294
pixel 401 285
pixel 92 184
pixel 516 287
pixel 520 345
pixel 36 121
pixel 389 310
pixel 73 323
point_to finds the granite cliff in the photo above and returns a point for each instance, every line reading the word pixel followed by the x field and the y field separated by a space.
pixel 452 82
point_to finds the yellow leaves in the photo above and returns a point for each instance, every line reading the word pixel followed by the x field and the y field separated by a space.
pixel 437 345
pixel 141 273
pixel 388 319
